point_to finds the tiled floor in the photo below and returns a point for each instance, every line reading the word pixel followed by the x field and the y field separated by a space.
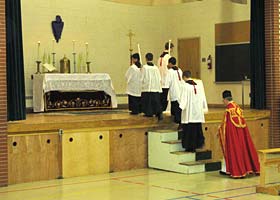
pixel 139 185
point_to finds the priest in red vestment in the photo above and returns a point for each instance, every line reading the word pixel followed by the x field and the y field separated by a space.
pixel 240 155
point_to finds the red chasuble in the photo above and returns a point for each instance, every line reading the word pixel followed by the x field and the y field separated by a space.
pixel 239 151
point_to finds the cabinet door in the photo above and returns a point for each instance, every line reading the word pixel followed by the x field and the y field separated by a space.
pixel 128 149
pixel 85 152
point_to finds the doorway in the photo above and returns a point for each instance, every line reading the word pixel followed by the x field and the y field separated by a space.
pixel 189 55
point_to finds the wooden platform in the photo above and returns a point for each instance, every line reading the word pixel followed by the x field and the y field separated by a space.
pixel 66 144
pixel 114 119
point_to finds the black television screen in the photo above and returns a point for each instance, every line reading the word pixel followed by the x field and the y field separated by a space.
pixel 232 62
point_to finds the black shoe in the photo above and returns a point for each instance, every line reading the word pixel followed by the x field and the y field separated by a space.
pixel 133 113
pixel 160 117
pixel 180 135
pixel 190 150
pixel 180 128
pixel 223 173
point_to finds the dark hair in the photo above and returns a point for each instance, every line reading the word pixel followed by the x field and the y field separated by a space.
pixel 149 57
pixel 166 46
pixel 172 60
pixel 187 74
pixel 227 95
pixel 135 56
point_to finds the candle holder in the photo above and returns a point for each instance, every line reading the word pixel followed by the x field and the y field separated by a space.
pixel 53 58
pixel 38 67
pixel 88 67
pixel 74 62
pixel 130 50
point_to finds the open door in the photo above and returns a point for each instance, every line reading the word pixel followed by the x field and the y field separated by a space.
pixel 189 55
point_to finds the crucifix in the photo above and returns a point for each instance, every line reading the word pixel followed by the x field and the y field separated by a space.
pixel 130 35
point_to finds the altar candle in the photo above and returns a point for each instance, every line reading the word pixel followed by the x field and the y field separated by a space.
pixel 53 45
pixel 73 46
pixel 139 51
pixel 38 51
pixel 169 45
pixel 87 52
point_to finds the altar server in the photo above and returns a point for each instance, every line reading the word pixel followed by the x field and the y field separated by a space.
pixel 174 83
pixel 151 88
pixel 193 103
pixel 162 64
pixel 133 78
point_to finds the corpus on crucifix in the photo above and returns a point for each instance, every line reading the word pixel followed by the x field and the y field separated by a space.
pixel 130 35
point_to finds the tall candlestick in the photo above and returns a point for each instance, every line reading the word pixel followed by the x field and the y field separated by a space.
pixel 38 51
pixel 53 45
pixel 169 46
pixel 87 52
pixel 139 53
pixel 73 46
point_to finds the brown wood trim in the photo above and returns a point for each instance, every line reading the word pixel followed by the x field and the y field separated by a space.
pixel 233 32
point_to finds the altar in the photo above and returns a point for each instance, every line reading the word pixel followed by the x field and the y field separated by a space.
pixel 51 91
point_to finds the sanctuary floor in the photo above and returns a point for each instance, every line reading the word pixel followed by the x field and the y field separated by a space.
pixel 143 184
pixel 113 118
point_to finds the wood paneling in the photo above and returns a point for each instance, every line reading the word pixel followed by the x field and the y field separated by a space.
pixel 234 32
pixel 212 140
pixel 85 152
pixel 128 149
pixel 259 131
pixel 33 157
pixel 102 148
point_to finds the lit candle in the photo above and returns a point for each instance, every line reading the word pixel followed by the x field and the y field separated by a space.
pixel 38 51
pixel 53 45
pixel 139 51
pixel 169 45
pixel 87 52
pixel 73 46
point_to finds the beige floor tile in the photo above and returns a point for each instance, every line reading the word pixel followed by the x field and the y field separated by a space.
pixel 145 184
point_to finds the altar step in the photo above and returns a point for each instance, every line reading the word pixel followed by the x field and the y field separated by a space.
pixel 165 152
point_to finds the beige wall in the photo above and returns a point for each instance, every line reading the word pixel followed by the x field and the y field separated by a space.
pixel 104 26
pixel 198 19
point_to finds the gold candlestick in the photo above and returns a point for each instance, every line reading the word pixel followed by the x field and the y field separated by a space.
pixel 38 67
pixel 88 67
pixel 130 35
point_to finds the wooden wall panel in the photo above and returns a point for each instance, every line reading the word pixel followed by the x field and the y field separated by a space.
pixel 128 149
pixel 234 32
pixel 259 130
pixel 212 142
pixel 93 152
pixel 33 157
pixel 85 152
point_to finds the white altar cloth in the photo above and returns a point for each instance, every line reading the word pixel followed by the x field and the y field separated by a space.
pixel 43 83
